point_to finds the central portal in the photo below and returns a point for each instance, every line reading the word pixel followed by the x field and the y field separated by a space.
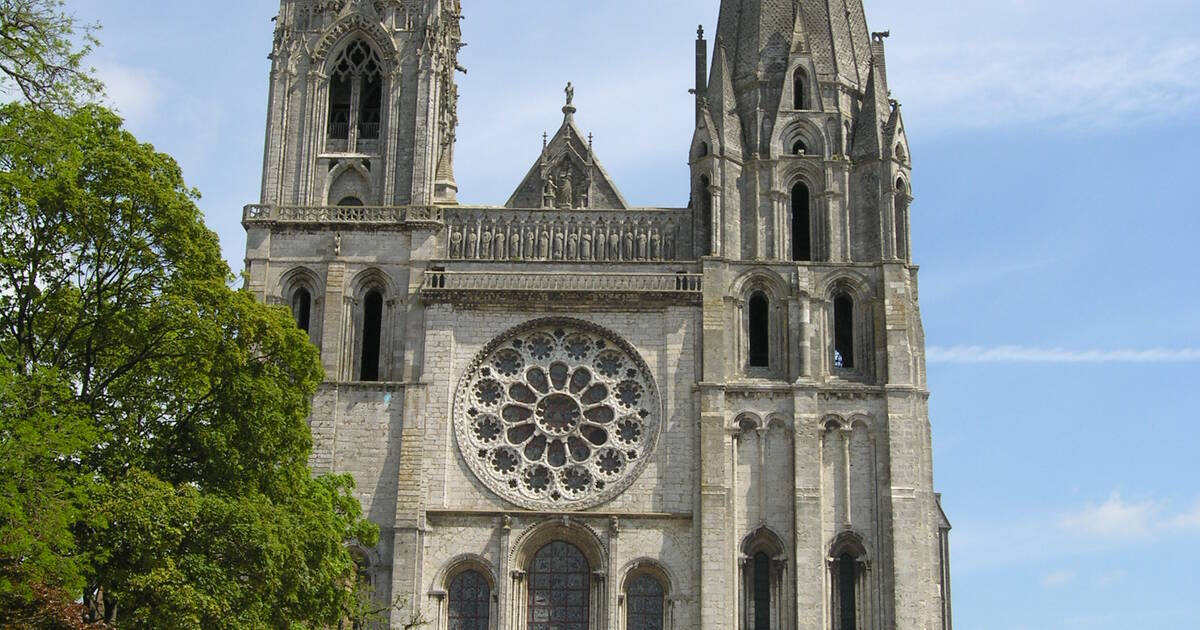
pixel 559 588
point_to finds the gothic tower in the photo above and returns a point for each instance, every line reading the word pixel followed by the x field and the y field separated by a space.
pixel 566 411
pixel 800 188
pixel 363 103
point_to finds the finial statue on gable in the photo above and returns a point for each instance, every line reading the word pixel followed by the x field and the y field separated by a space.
pixel 570 93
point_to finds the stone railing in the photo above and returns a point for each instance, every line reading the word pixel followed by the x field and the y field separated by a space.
pixel 569 235
pixel 685 286
pixel 382 216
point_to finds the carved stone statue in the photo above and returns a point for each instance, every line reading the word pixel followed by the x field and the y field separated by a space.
pixel 570 93
pixel 566 195
pixel 550 192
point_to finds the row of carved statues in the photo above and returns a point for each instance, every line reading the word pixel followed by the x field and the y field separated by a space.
pixel 631 240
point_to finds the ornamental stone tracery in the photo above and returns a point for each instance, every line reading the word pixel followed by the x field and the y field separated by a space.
pixel 557 414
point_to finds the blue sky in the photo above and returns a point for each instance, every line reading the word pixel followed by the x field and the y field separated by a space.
pixel 1056 224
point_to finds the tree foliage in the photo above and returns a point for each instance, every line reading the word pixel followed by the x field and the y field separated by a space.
pixel 158 416
pixel 41 53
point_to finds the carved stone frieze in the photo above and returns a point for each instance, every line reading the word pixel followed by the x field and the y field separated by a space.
pixel 581 236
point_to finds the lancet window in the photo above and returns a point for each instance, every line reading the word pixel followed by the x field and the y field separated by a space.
pixel 760 330
pixel 843 332
pixel 356 93
pixel 801 223
pixel 645 603
pixel 372 333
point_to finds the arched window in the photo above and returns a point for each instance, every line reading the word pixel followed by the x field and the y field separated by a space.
pixel 846 592
pixel 801 223
pixel 559 588
pixel 901 220
pixel 800 90
pixel 469 602
pixel 843 331
pixel 762 591
pixel 703 150
pixel 350 202
pixel 760 330
pixel 302 308
pixel 356 92
pixel 644 603
pixel 372 332
pixel 799 148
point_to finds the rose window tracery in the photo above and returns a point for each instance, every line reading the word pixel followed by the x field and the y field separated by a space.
pixel 557 414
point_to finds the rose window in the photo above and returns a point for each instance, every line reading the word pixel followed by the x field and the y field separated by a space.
pixel 557 413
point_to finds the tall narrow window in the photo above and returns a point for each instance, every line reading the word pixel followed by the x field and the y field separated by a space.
pixel 469 602
pixel 559 588
pixel 901 220
pixel 302 308
pixel 706 216
pixel 847 604
pixel 645 607
pixel 801 223
pixel 800 89
pixel 356 93
pixel 760 332
pixel 372 329
pixel 370 106
pixel 340 95
pixel 762 591
pixel 843 332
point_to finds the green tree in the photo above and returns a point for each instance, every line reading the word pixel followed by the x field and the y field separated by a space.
pixel 189 398
pixel 41 53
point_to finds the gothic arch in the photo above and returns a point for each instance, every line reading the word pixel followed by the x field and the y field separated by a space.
pixel 652 567
pixel 565 529
pixel 465 562
pixel 763 278
pixel 833 422
pixel 847 280
pixel 300 277
pixel 368 355
pixel 764 539
pixel 372 278
pixel 745 422
pixel 761 313
pixel 345 30
pixel 766 600
pixel 800 130
pixel 348 179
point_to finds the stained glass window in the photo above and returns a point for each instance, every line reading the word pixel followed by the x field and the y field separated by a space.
pixel 559 588
pixel 470 597
pixel 644 604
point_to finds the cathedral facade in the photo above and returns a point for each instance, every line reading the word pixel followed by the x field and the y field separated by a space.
pixel 567 412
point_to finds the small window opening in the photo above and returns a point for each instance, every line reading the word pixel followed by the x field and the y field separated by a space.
pixel 760 344
pixel 801 224
pixel 799 148
pixel 302 308
pixel 762 591
pixel 843 326
pixel 372 329
pixel 350 201
pixel 847 577
pixel 703 150
pixel 800 91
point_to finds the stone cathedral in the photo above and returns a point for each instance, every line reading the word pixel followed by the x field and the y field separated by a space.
pixel 567 412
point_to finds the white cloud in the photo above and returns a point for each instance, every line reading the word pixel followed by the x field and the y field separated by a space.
pixel 1114 519
pixel 1058 578
pixel 1028 354
pixel 1120 521
pixel 135 93
pixel 1081 65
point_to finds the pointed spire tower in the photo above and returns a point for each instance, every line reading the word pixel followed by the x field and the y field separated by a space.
pixel 801 189
pixel 797 94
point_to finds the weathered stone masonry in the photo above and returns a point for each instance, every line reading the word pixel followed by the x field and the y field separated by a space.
pixel 568 412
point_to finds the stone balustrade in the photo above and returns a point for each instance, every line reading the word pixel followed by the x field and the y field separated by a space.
pixel 380 216
pixel 650 235
pixel 686 286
